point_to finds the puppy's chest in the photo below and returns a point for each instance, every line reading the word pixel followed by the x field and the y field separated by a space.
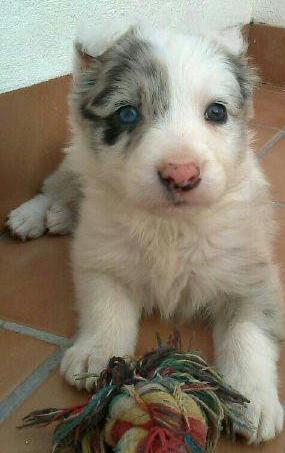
pixel 173 268
pixel 168 270
pixel 165 266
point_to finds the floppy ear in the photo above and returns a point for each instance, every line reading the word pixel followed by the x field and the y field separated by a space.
pixel 92 40
pixel 81 59
pixel 231 39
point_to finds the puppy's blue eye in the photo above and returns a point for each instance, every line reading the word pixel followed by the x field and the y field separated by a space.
pixel 129 115
pixel 216 113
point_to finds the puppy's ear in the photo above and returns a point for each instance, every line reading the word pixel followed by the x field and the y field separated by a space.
pixel 232 39
pixel 81 60
pixel 235 45
pixel 92 40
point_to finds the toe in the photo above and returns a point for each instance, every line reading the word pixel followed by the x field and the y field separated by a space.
pixel 74 365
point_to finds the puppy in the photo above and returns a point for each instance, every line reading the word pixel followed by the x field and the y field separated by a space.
pixel 175 211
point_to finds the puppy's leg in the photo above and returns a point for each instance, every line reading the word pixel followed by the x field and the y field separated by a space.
pixel 53 210
pixel 60 219
pixel 108 327
pixel 246 338
pixel 64 190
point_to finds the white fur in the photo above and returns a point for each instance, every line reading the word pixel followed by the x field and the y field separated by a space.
pixel 28 221
pixel 33 218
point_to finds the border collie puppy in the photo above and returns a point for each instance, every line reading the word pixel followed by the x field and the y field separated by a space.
pixel 171 207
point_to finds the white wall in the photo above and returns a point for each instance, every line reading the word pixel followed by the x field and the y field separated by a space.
pixel 36 35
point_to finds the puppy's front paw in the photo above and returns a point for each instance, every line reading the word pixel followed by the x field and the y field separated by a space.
pixel 264 412
pixel 26 223
pixel 82 358
pixel 266 415
pixel 28 220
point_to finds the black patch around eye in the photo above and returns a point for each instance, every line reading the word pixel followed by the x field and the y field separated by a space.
pixel 111 126
pixel 113 130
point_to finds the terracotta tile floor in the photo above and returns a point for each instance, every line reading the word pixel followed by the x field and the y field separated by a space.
pixel 36 312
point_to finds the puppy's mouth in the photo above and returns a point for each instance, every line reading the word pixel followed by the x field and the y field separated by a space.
pixel 173 188
pixel 177 193
pixel 180 189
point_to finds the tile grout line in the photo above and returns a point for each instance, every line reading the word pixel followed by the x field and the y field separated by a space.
pixel 35 333
pixel 40 374
pixel 278 204
pixel 264 126
pixel 27 387
pixel 268 145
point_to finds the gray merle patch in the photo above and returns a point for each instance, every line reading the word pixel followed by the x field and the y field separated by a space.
pixel 128 73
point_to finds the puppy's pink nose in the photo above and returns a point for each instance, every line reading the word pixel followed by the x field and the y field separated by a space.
pixel 180 176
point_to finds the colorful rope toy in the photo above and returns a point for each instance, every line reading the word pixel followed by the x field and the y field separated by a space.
pixel 168 401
